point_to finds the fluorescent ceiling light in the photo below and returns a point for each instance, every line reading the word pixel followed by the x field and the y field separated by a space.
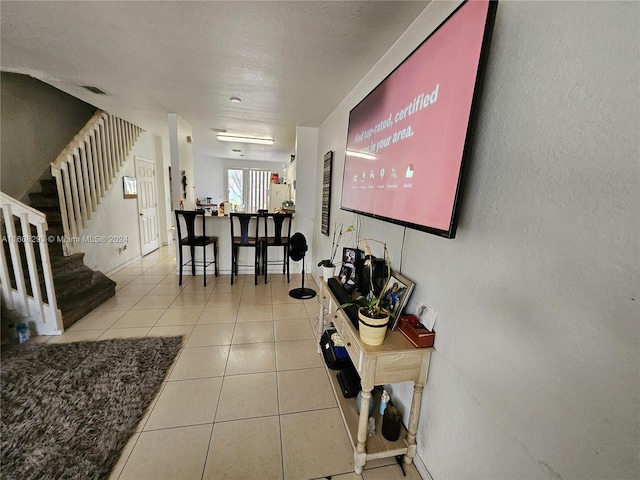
pixel 232 137
pixel 366 156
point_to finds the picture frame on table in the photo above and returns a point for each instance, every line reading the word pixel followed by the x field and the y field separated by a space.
pixel 396 294
pixel 350 268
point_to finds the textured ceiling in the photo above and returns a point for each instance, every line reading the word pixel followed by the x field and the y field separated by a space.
pixel 290 62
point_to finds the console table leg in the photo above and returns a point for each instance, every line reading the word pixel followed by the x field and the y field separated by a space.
pixel 360 455
pixel 412 428
pixel 320 325
pixel 359 459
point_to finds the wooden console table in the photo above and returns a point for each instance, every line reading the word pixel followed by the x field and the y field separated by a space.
pixel 396 360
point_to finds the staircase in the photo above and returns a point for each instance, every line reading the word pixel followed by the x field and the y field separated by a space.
pixel 79 289
pixel 43 277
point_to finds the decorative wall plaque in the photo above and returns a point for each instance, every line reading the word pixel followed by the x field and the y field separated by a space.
pixel 326 192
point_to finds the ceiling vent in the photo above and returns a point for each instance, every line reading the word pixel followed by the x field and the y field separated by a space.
pixel 95 90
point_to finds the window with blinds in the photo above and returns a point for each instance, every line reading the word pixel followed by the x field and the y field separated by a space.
pixel 249 187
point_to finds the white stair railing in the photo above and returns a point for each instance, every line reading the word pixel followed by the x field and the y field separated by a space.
pixel 86 169
pixel 24 232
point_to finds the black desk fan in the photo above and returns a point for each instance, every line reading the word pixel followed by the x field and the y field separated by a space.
pixel 297 250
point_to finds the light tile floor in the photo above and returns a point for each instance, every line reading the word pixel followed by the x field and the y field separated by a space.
pixel 248 396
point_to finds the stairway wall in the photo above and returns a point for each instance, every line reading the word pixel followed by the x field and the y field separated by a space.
pixel 38 121
pixel 117 217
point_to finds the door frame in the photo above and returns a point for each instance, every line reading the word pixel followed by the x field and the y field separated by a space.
pixel 155 188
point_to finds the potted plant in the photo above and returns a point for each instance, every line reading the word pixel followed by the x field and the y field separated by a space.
pixel 328 264
pixel 373 314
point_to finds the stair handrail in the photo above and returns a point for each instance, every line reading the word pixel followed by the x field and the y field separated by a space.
pixel 42 315
pixel 87 167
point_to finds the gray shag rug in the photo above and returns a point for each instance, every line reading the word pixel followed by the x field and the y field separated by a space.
pixel 68 410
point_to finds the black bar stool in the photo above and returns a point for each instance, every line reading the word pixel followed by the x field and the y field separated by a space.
pixel 279 239
pixel 244 233
pixel 192 241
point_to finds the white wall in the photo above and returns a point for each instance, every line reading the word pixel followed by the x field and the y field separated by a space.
pixel 535 373
pixel 210 178
pixel 165 206
pixel 306 154
pixel 108 256
pixel 210 174
pixel 181 154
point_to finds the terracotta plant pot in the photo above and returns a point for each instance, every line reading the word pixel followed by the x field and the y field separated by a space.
pixel 372 330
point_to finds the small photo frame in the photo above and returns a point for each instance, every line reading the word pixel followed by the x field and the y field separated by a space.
pixel 130 185
pixel 349 270
pixel 396 294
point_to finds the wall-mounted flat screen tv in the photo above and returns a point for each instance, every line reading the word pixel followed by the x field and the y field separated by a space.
pixel 408 139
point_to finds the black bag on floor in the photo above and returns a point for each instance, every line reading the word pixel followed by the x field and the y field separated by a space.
pixel 335 357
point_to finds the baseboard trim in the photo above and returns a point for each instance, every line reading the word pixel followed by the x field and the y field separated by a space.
pixel 123 266
pixel 421 467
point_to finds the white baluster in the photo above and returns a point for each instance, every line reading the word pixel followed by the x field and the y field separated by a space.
pixel 16 259
pixel 99 187
pixel 112 149
pixel 91 174
pixel 57 175
pixel 31 263
pixel 73 183
pixel 98 146
pixel 7 290
pixel 52 316
pixel 86 189
pixel 74 231
pixel 106 152
pixel 121 154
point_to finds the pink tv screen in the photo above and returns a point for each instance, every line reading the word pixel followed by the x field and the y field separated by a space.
pixel 408 138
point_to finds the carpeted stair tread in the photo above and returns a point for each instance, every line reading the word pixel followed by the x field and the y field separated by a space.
pixel 49 186
pixel 74 308
pixel 73 283
pixel 41 200
pixel 57 230
pixel 53 214
pixel 79 289
pixel 55 249
pixel 61 265
pixel 70 275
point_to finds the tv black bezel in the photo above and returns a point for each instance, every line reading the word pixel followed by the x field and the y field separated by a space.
pixel 473 113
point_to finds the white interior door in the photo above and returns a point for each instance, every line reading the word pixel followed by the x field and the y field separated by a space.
pixel 147 205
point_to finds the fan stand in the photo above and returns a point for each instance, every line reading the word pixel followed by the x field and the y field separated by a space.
pixel 302 293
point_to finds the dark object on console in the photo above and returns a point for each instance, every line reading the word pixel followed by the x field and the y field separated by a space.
pixel 349 381
pixel 336 358
pixel 192 241
pixel 376 271
pixel 297 250
pixel 343 297
pixel 391 423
